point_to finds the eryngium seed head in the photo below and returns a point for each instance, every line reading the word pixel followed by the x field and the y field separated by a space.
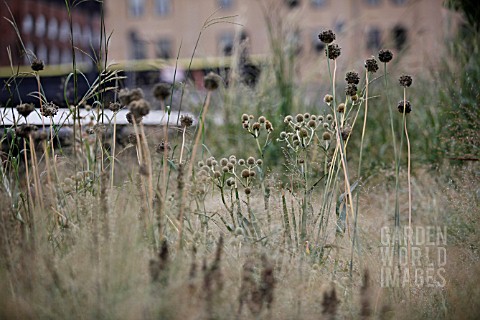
pixel 352 77
pixel 299 117
pixel 328 98
pixel 385 55
pixel 211 81
pixel 186 121
pixel 351 89
pixel 251 161
pixel 25 109
pixel 244 117
pixel 371 65
pixel 162 91
pixel 405 81
pixel 139 108
pixel 406 104
pixel 341 108
pixel 37 65
pixel 49 109
pixel 114 106
pixel 326 36
pixel 333 51
pixel 326 136
pixel 245 173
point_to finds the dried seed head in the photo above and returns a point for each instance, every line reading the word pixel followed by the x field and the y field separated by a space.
pixel 259 162
pixel 252 174
pixel 248 191
pixel 186 121
pixel 312 123
pixel 341 108
pixel 223 161
pixel 329 117
pixel 283 135
pixel 230 166
pixel 405 81
pixel 256 126
pixel 162 91
pixel 328 98
pixel 25 109
pixel 49 109
pixel 37 65
pixel 346 132
pixel 114 106
pixel 245 173
pixel 326 36
pixel 241 162
pixel 245 125
pixel 299 117
pixel 333 51
pixel 371 65
pixel 136 94
pixel 124 96
pixel 268 126
pixel 217 174
pixel 131 118
pixel 288 119
pixel 314 117
pixel 326 125
pixel 200 163
pixel 262 119
pixel 320 118
pixel 385 55
pixel 162 147
pixel 24 130
pixel 352 77
pixel 354 98
pixel 230 182
pixel 326 136
pixel 139 108
pixel 351 89
pixel 306 115
pixel 404 104
pixel 225 169
pixel 214 162
pixel 251 161
pixel 244 117
pixel 211 81
pixel 303 133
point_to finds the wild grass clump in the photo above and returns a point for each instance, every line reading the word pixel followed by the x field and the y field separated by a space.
pixel 282 223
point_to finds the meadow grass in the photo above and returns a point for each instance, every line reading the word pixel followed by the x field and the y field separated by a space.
pixel 260 217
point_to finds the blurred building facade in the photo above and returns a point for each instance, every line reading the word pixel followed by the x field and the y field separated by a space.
pixel 155 29
pixel 44 29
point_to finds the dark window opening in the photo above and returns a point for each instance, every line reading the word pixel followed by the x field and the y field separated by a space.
pixel 137 46
pixel 292 3
pixel 374 39
pixel 399 34
pixel 225 4
pixel 164 49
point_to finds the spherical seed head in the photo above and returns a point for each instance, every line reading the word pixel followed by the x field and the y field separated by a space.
pixel 371 65
pixel 24 130
pixel 114 106
pixel 230 182
pixel 131 118
pixel 245 125
pixel 346 132
pixel 268 126
pixel 162 147
pixel 200 163
pixel 326 36
pixel 245 173
pixel 299 117
pixel 251 161
pixel 326 136
pixel 259 162
pixel 209 162
pixel 186 121
pixel 404 104
pixel 214 162
pixel 248 191
pixel 405 80
pixel 328 98
pixel 385 55
pixel 217 174
pixel 139 108
pixel 124 96
pixel 283 135
pixel 288 119
pixel 320 118
pixel 206 168
pixel 352 77
pixel 333 51
pixel 341 108
pixel 354 97
pixel 256 126
pixel 351 89
pixel 241 162
pixel 314 117
pixel 252 174
pixel 223 161
pixel 49 109
pixel 244 117
pixel 136 94
pixel 37 65
pixel 262 119
pixel 211 81
pixel 326 125
pixel 162 91
pixel 329 117
pixel 225 169
pixel 230 166
pixel 303 133
pixel 312 123
pixel 25 109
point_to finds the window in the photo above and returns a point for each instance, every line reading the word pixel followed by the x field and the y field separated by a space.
pixel 54 56
pixel 318 3
pixel 77 32
pixel 52 29
pixel 137 46
pixel 87 35
pixel 374 39
pixel 40 26
pixel 399 35
pixel 66 56
pixel 64 31
pixel 225 43
pixel 27 24
pixel 292 3
pixel 164 48
pixel 163 7
pixel 136 7
pixel 373 2
pixel 399 2
pixel 225 4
